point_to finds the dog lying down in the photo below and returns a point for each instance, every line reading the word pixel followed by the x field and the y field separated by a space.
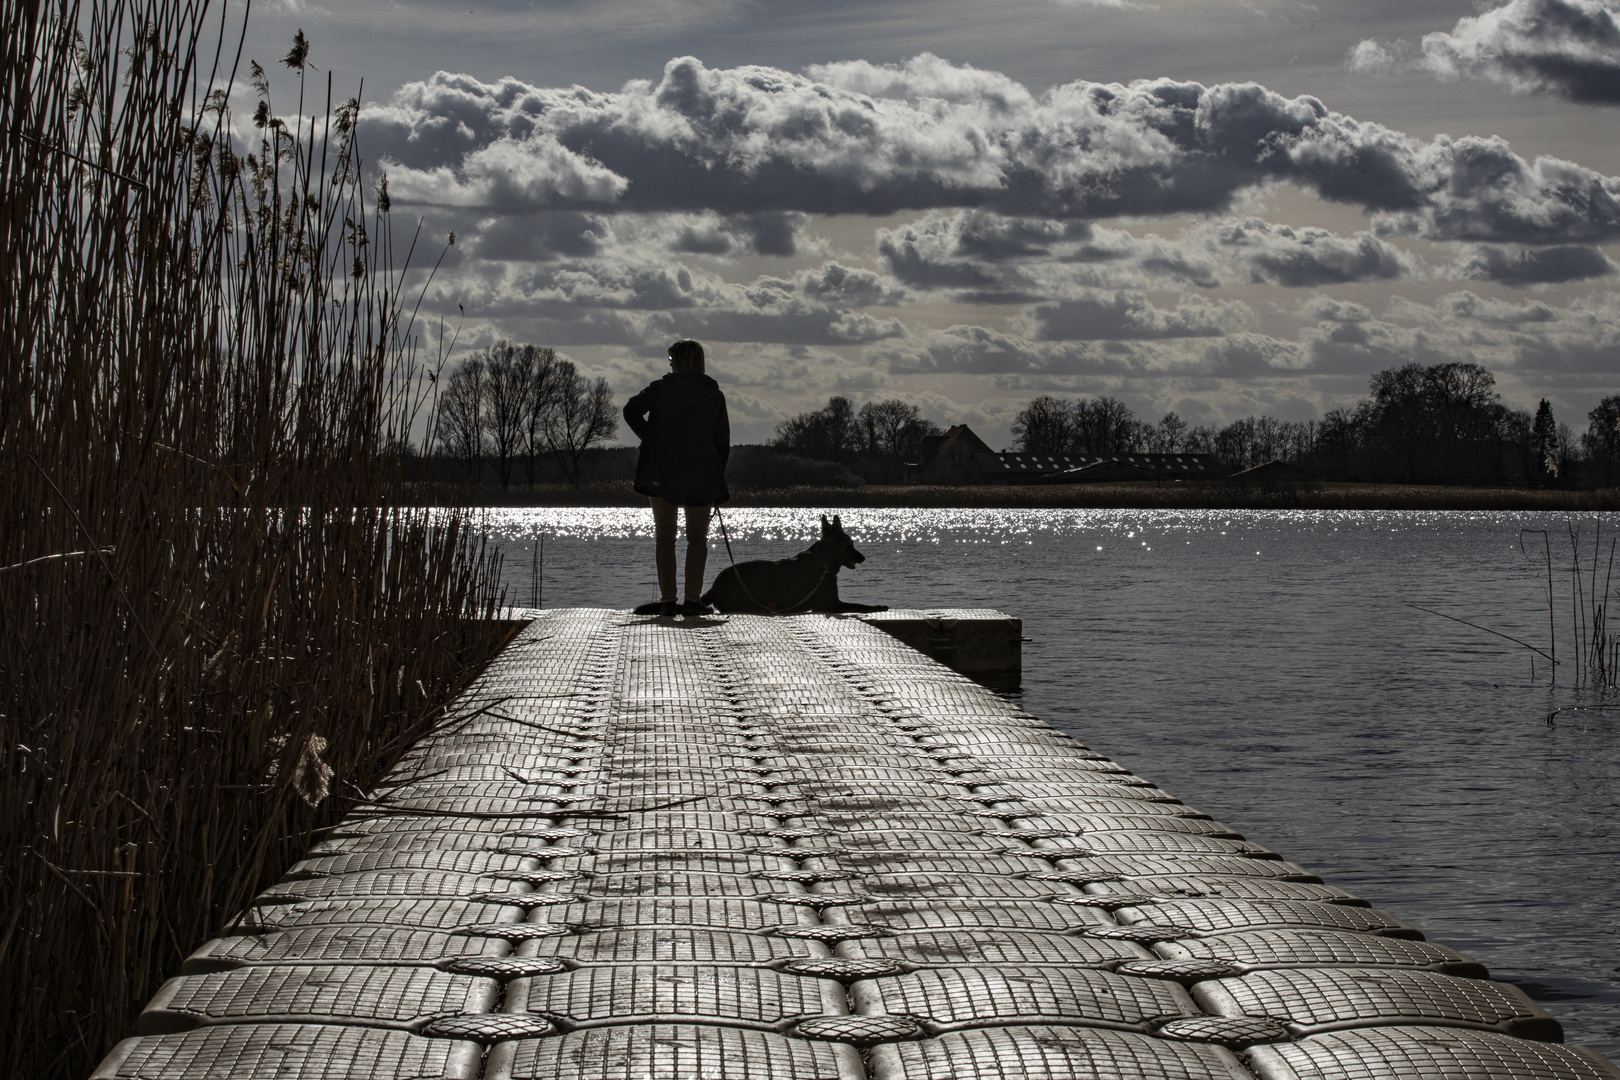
pixel 806 582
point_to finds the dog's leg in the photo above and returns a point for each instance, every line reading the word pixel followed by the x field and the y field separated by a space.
pixel 827 599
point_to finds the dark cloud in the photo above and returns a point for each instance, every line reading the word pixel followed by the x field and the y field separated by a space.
pixel 550 235
pixel 1570 48
pixel 1123 316
pixel 983 235
pixel 961 349
pixel 1518 341
pixel 862 138
pixel 990 258
pixel 1309 256
pixel 1467 307
pixel 1328 309
pixel 1251 355
pixel 1016 360
pixel 967 250
pixel 778 233
pixel 1534 266
pixel 638 296
pixel 841 286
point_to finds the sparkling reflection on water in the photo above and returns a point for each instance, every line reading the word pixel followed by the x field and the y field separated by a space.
pixel 1265 667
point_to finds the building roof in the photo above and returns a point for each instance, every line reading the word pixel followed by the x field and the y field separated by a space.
pixel 1103 471
pixel 1016 462
pixel 1274 472
pixel 1091 468
pixel 957 435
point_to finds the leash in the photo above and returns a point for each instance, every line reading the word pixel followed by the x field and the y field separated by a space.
pixel 769 609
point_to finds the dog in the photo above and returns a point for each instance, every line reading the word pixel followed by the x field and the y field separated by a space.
pixel 806 582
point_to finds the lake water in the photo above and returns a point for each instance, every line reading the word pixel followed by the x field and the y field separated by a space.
pixel 1266 668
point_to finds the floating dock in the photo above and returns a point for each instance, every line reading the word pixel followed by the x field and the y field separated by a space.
pixel 796 848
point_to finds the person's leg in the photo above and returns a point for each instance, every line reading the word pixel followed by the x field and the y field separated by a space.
pixel 664 547
pixel 697 550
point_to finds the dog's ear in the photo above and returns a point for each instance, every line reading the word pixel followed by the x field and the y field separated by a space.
pixel 825 528
pixel 837 524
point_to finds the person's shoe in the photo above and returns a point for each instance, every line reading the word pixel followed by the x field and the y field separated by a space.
pixel 695 608
pixel 652 607
pixel 668 609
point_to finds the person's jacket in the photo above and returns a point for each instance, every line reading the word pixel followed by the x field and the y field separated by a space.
pixel 685 439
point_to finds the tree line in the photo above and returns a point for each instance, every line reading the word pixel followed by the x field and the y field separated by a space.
pixel 517 404
pixel 1419 425
pixel 873 442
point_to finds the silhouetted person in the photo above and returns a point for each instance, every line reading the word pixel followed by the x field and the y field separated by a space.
pixel 685 441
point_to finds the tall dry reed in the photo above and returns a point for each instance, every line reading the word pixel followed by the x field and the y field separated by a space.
pixel 220 615
pixel 1596 655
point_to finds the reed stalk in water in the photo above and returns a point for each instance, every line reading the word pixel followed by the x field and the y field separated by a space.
pixel 220 612
pixel 1596 656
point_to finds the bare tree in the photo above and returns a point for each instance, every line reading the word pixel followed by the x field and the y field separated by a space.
pixel 1169 437
pixel 1045 426
pixel 582 417
pixel 460 419
pixel 894 427
pixel 1601 442
pixel 1256 440
pixel 891 432
pixel 543 369
pixel 506 403
pixel 1105 426
pixel 830 434
pixel 1199 440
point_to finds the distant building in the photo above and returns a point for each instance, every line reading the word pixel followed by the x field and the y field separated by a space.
pixel 1017 467
pixel 961 457
pixel 947 458
pixel 1273 474
pixel 1141 468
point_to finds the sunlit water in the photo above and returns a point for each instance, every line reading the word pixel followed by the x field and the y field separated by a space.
pixel 1266 668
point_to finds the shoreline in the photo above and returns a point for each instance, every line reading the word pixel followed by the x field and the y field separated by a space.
pixel 1122 496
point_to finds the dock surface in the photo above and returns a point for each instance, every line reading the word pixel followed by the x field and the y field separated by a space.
pixel 795 848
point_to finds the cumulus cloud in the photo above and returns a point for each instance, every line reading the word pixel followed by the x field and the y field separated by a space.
pixel 1527 340
pixel 1467 307
pixel 554 234
pixel 1532 340
pixel 1570 48
pixel 1534 266
pixel 985 257
pixel 1283 255
pixel 1125 316
pixel 993 258
pixel 872 139
pixel 1371 56
pixel 623 294
pixel 1328 309
pixel 979 350
pixel 1248 356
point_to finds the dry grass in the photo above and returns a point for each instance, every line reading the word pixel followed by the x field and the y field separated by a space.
pixel 205 649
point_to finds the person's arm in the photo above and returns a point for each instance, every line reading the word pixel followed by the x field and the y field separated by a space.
pixel 722 433
pixel 635 413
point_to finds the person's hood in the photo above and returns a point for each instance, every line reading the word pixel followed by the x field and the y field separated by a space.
pixel 689 387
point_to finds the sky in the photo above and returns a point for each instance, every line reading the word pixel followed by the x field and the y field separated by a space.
pixel 1222 208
